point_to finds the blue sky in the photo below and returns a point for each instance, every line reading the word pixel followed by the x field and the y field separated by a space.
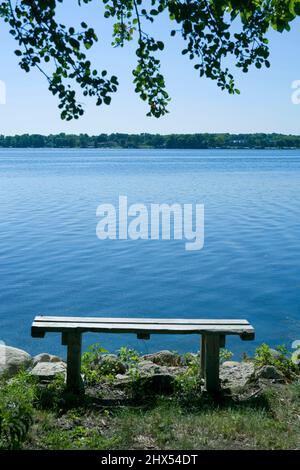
pixel 197 104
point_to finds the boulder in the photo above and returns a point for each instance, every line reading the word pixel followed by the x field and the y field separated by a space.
pixel 275 354
pixel 146 384
pixel 164 358
pixel 155 384
pixel 269 373
pixel 44 357
pixel 122 378
pixel 12 360
pixel 48 370
pixel 108 356
pixel 231 364
pixel 111 364
pixel 236 374
pixel 149 367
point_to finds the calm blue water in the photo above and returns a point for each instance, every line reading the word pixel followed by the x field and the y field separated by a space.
pixel 52 263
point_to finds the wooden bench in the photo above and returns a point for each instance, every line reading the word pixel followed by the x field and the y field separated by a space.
pixel 213 334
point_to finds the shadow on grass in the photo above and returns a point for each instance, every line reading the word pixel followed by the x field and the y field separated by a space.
pixel 61 400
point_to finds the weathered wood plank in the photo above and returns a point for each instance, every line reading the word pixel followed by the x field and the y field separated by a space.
pixel 144 336
pixel 222 341
pixel 74 380
pixel 246 332
pixel 132 320
pixel 212 363
pixel 37 333
pixel 202 357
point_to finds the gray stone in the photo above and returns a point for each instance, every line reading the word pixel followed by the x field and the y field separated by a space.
pixel 156 384
pixel 236 374
pixel 109 356
pixel 275 354
pixel 231 364
pixel 48 370
pixel 111 364
pixel 45 357
pixel 270 373
pixel 122 377
pixel 164 358
pixel 146 384
pixel 148 367
pixel 12 360
pixel 122 382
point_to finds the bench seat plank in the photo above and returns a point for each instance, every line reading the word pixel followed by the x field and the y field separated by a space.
pixel 132 320
pixel 245 331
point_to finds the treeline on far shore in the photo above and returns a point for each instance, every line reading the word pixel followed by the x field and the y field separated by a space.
pixel 157 141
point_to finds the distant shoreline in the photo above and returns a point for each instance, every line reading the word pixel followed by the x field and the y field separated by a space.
pixel 204 141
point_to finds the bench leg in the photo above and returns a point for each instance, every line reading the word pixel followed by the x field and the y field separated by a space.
pixel 74 380
pixel 202 357
pixel 212 362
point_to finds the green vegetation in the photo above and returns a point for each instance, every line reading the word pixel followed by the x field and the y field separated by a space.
pixel 45 416
pixel 90 366
pixel 97 368
pixel 225 355
pixel 155 141
pixel 271 422
pixel 128 356
pixel 188 383
pixel 211 32
pixel 16 410
pixel 281 359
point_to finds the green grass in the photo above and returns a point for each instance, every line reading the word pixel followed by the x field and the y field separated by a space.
pixel 270 422
pixel 261 416
pixel 17 398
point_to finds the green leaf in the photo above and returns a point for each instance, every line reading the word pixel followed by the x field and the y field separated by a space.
pixel 297 7
pixel 107 100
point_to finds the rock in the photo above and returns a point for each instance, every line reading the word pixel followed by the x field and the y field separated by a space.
pixel 270 373
pixel 147 384
pixel 109 356
pixel 44 357
pixel 275 354
pixel 155 384
pixel 48 370
pixel 164 358
pixel 231 364
pixel 12 360
pixel 122 382
pixel 122 377
pixel 236 374
pixel 148 367
pixel 111 364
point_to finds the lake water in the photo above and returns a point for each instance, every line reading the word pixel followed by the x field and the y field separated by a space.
pixel 52 263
